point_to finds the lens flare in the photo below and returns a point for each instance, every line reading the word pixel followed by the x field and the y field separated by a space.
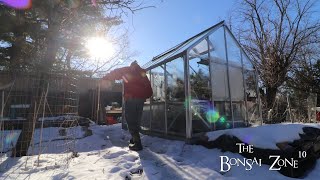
pixel 222 119
pixel 26 4
pixel 212 116
pixel 17 4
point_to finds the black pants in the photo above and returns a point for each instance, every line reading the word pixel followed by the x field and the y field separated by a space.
pixel 133 114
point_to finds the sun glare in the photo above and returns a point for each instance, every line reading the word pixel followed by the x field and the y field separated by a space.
pixel 99 47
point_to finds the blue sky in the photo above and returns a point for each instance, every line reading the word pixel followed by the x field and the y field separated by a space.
pixel 155 30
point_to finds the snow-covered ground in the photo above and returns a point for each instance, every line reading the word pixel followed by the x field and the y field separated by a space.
pixel 49 138
pixel 265 136
pixel 104 155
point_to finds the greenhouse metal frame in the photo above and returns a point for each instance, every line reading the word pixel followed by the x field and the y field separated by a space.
pixel 203 84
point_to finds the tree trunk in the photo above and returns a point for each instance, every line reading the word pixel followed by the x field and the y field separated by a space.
pixel 68 59
pixel 52 49
pixel 271 93
pixel 269 99
pixel 22 146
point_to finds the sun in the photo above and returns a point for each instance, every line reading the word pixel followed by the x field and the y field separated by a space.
pixel 99 47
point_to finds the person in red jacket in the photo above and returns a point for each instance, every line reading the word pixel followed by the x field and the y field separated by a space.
pixel 137 88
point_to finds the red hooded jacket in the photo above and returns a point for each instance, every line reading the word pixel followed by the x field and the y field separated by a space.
pixel 136 83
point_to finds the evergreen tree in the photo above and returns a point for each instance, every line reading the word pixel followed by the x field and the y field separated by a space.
pixel 47 36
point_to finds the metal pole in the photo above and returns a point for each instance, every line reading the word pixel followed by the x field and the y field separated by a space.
pixel 210 74
pixel 123 118
pixel 151 101
pixel 244 91
pixel 228 78
pixel 315 111
pixel 187 97
pixel 1 124
pixel 259 98
pixel 2 105
pixel 165 99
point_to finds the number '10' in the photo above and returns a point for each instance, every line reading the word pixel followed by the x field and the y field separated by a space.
pixel 302 154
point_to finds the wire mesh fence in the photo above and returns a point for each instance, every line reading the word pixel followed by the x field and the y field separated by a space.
pixel 297 107
pixel 39 117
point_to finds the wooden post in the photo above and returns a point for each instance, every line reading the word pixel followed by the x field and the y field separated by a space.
pixel 98 104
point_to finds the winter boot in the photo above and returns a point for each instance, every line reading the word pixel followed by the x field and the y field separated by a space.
pixel 137 146
pixel 135 142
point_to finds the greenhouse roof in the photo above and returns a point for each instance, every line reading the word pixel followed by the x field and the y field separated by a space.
pixel 176 51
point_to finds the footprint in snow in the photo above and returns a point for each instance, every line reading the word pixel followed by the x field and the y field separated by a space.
pixel 178 159
pixel 115 169
pixel 115 155
pixel 131 158
pixel 138 171
pixel 128 165
pixel 92 153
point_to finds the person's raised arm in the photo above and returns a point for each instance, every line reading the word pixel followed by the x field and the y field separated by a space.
pixel 116 74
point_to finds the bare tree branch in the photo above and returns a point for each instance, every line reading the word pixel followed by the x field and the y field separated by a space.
pixel 275 34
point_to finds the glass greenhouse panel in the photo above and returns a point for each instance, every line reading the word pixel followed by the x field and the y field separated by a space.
pixel 252 96
pixel 252 110
pixel 236 84
pixel 237 93
pixel 176 111
pixel 246 62
pixel 201 95
pixel 234 51
pixel 158 101
pixel 216 41
pixel 146 115
pixel 251 90
pixel 221 99
pixel 222 114
pixel 219 81
pixel 200 50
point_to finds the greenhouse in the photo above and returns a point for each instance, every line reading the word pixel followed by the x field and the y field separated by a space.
pixel 203 84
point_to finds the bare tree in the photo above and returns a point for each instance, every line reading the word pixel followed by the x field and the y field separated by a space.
pixel 276 33
pixel 306 75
